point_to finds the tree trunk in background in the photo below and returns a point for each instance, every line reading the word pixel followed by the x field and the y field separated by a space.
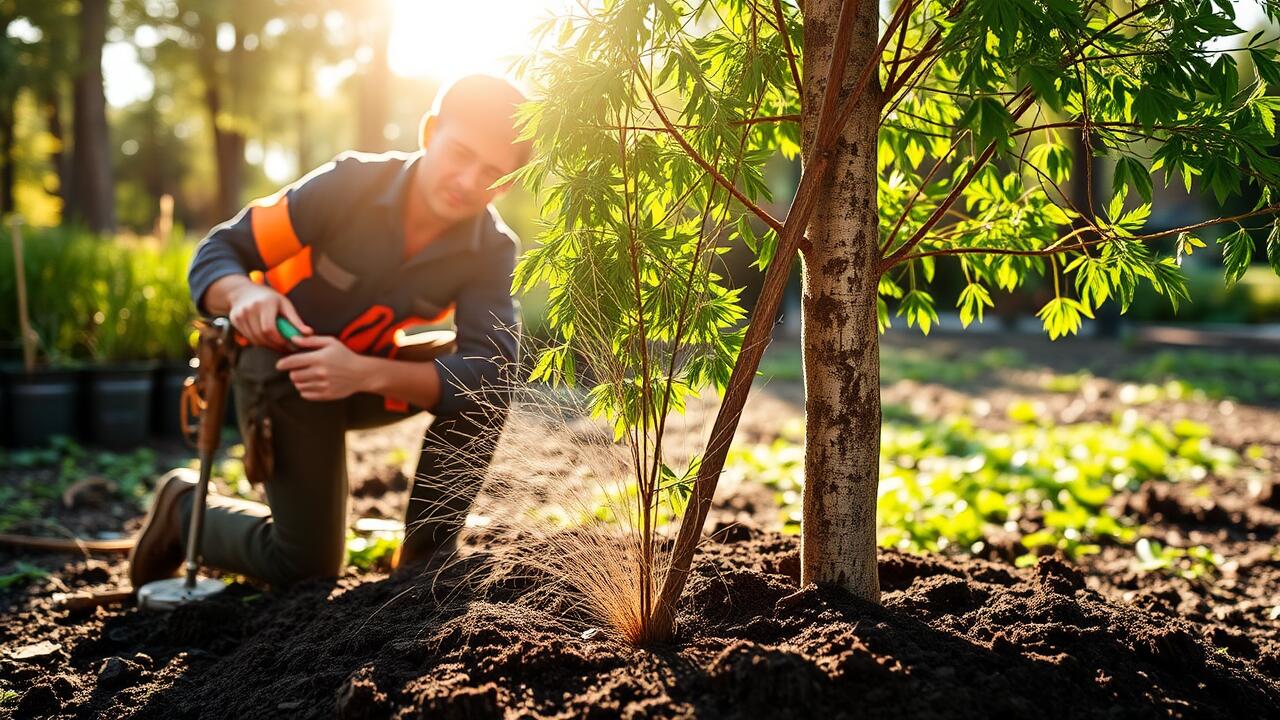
pixel 839 335
pixel 92 197
pixel 228 142
pixel 375 90
pixel 302 115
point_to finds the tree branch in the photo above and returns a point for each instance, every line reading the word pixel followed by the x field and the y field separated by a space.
pixel 1059 247
pixel 786 44
pixel 738 195
pixel 959 187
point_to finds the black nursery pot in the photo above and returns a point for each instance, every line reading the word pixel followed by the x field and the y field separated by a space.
pixel 40 404
pixel 170 377
pixel 119 402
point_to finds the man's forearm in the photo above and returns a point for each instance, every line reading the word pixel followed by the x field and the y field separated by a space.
pixel 417 383
pixel 221 294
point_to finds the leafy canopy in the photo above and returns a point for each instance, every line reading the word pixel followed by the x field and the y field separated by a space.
pixel 655 119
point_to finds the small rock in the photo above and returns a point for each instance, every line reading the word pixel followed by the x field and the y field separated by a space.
pixel 35 651
pixel 117 672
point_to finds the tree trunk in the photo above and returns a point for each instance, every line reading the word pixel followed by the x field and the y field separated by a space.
pixel 839 334
pixel 228 143
pixel 302 116
pixel 375 91
pixel 92 191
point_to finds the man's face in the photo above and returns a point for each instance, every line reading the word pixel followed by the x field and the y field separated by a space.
pixel 462 160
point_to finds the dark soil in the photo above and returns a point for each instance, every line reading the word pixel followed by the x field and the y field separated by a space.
pixel 956 636
pixel 953 639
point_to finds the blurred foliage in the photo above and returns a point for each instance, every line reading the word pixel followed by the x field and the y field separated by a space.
pixel 784 362
pixel 23 573
pixel 89 298
pixel 371 551
pixel 950 484
pixel 36 478
pixel 1249 378
pixel 1255 298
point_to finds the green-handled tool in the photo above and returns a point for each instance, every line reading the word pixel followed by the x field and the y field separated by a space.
pixel 287 329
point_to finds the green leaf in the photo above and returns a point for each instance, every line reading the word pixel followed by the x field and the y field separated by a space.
pixel 1185 245
pixel 1237 253
pixel 1131 172
pixel 972 299
pixel 1273 247
pixel 1061 316
pixel 918 306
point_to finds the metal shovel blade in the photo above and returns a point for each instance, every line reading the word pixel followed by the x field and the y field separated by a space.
pixel 167 594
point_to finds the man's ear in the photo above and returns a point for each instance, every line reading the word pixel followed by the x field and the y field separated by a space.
pixel 426 128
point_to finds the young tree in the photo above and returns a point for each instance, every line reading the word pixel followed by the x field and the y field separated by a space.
pixel 939 131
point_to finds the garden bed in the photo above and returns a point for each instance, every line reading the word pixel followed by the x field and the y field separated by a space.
pixel 962 633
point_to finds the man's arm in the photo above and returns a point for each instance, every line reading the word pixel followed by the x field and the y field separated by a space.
pixel 475 376
pixel 266 236
pixel 478 374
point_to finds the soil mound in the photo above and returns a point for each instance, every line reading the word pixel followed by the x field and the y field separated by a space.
pixel 954 638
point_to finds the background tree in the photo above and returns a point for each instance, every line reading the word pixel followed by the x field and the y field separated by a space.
pixel 935 132
pixel 91 199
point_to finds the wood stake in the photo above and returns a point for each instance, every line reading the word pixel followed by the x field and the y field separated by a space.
pixel 24 320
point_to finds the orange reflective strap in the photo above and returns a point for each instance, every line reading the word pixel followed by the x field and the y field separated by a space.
pixel 387 340
pixel 360 334
pixel 293 270
pixel 273 230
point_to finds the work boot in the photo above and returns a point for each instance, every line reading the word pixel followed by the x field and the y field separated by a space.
pixel 158 552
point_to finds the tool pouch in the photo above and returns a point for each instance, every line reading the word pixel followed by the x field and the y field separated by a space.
pixel 258 387
pixel 259 457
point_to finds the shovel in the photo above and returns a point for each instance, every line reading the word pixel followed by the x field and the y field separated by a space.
pixel 215 350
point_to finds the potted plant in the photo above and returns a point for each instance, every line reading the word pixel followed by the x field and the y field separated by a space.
pixel 119 387
pixel 40 395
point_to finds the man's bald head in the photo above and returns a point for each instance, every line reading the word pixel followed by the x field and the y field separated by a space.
pixel 483 102
pixel 469 143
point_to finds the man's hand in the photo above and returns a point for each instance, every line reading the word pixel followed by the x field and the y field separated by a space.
pixel 254 309
pixel 329 371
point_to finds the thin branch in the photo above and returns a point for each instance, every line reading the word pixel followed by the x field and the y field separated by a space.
pixel 959 187
pixel 897 51
pixel 1059 247
pixel 688 126
pixel 741 197
pixel 786 45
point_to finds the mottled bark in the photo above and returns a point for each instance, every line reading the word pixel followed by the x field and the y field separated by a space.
pixel 839 335
pixel 92 198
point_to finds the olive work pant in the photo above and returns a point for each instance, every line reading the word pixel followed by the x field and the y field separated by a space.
pixel 301 532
